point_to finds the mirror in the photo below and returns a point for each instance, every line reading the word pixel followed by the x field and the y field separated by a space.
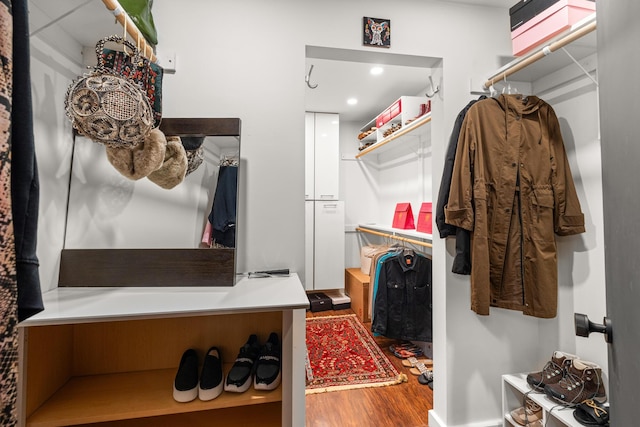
pixel 159 233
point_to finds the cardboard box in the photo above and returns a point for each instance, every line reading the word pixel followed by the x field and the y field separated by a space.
pixel 356 285
pixel 551 22
pixel 319 302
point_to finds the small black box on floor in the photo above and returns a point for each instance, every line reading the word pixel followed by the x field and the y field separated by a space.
pixel 525 10
pixel 339 301
pixel 319 301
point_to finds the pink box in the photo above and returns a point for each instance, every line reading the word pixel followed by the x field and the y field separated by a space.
pixel 557 18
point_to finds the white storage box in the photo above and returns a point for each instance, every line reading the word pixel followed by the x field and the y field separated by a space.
pixel 339 301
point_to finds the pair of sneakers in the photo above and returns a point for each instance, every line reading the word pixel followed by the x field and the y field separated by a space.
pixel 188 385
pixel 258 363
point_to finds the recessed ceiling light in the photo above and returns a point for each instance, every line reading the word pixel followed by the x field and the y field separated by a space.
pixel 352 101
pixel 376 71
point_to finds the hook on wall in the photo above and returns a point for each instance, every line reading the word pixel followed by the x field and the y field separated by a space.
pixel 434 89
pixel 307 79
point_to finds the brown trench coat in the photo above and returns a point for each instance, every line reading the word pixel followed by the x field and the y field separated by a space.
pixel 512 188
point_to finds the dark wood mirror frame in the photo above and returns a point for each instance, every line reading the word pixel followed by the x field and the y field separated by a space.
pixel 157 267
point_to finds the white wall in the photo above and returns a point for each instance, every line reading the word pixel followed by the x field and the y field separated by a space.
pixel 247 60
pixel 581 274
pixel 51 74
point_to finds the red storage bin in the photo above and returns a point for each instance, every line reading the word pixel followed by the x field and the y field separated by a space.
pixel 403 217
pixel 424 218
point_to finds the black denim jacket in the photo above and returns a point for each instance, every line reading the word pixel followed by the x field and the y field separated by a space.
pixel 403 307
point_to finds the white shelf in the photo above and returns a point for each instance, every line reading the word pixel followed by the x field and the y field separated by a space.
pixel 368 126
pixel 90 304
pixel 405 131
pixel 515 387
pixel 580 49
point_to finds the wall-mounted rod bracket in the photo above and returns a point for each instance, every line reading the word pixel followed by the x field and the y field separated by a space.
pixel 584 70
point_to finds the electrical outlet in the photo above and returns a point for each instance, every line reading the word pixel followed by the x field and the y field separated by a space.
pixel 167 60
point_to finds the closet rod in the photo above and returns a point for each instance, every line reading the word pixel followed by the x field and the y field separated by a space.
pixel 121 16
pixel 393 236
pixel 540 54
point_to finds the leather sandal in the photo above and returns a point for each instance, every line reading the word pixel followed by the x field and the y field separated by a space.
pixel 419 369
pixel 411 362
pixel 591 413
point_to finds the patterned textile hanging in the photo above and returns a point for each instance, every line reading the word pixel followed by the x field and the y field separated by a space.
pixel 20 294
pixel 8 278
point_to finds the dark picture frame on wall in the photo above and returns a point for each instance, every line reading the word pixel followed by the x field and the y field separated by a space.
pixel 376 32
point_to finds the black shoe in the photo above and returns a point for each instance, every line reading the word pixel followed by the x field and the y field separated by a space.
pixel 268 365
pixel 211 377
pixel 185 385
pixel 241 373
pixel 592 413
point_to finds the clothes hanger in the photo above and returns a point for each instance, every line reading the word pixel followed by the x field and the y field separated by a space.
pixel 509 90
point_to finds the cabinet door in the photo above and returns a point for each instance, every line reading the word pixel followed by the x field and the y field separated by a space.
pixel 309 162
pixel 327 156
pixel 308 244
pixel 329 245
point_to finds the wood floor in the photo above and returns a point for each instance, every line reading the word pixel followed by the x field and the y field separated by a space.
pixel 402 405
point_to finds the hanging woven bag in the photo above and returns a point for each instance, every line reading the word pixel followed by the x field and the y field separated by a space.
pixel 107 107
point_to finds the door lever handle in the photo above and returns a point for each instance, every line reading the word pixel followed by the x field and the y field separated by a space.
pixel 584 327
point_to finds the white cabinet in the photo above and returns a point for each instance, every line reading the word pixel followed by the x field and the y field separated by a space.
pixel 309 233
pixel 309 156
pixel 324 245
pixel 324 214
pixel 329 245
pixel 514 388
pixel 322 156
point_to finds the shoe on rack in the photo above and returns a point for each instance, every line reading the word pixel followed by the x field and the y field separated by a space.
pixel 527 414
pixel 592 413
pixel 185 384
pixel 268 372
pixel 211 378
pixel 582 381
pixel 552 372
pixel 241 373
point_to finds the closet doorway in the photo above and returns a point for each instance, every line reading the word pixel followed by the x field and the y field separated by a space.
pixel 369 188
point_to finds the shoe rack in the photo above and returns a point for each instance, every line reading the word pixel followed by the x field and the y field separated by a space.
pixel 108 356
pixel 514 389
pixel 409 116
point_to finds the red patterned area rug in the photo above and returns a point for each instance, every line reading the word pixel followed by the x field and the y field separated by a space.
pixel 342 355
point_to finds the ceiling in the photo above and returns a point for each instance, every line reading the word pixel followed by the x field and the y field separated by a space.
pixel 339 74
